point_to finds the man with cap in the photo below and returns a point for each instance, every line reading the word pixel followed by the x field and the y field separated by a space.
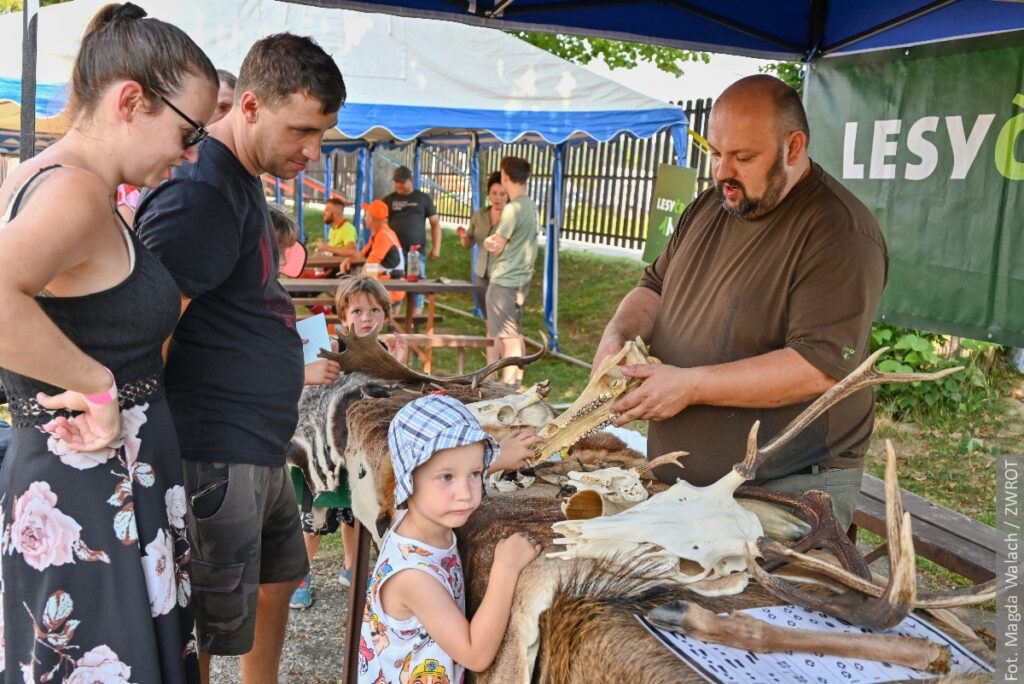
pixel 408 210
pixel 383 248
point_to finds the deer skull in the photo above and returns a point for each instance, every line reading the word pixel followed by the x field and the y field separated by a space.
pixel 499 416
pixel 705 528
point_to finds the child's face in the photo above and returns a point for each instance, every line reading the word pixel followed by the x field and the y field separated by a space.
pixel 363 314
pixel 448 487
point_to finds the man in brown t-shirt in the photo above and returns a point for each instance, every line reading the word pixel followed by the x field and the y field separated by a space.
pixel 761 301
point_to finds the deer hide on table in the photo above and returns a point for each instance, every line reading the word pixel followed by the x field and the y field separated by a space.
pixel 367 460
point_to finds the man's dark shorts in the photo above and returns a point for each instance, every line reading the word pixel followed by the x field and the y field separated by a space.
pixel 505 310
pixel 244 524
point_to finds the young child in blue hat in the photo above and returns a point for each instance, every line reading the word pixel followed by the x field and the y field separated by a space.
pixel 415 619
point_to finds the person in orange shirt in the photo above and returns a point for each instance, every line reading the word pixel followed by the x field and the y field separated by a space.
pixel 383 248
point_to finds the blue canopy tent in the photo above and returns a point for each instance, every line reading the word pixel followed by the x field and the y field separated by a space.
pixel 410 82
pixel 796 30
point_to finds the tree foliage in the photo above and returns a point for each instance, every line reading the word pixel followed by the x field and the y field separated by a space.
pixel 616 54
pixel 18 5
pixel 790 72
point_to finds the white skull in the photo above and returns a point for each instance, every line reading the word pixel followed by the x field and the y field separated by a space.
pixel 499 416
pixel 702 529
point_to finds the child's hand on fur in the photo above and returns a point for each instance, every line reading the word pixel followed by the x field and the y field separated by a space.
pixel 514 553
pixel 516 451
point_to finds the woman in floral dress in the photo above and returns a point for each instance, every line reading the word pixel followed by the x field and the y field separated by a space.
pixel 93 552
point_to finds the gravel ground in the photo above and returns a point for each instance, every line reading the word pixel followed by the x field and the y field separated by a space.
pixel 312 647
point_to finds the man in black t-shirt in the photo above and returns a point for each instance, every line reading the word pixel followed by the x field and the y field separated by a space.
pixel 408 211
pixel 234 366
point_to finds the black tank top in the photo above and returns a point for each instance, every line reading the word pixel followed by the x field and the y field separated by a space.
pixel 122 327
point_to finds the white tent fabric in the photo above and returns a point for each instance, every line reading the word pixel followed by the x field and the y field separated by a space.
pixel 406 78
pixel 422 80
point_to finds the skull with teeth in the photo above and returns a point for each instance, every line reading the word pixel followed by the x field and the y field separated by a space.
pixel 591 412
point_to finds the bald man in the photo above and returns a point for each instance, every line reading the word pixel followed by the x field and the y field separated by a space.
pixel 761 301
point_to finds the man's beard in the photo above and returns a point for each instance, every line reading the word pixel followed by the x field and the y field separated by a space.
pixel 750 208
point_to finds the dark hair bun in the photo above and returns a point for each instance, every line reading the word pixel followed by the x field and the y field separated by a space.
pixel 127 12
pixel 115 12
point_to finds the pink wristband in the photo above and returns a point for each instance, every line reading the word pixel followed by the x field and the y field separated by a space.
pixel 106 396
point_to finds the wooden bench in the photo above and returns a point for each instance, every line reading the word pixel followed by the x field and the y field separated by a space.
pixel 421 319
pixel 458 342
pixel 947 538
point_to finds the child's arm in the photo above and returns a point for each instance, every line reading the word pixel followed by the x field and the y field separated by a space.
pixel 399 349
pixel 471 644
pixel 322 372
pixel 516 451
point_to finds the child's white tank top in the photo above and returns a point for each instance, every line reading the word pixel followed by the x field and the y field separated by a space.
pixel 394 651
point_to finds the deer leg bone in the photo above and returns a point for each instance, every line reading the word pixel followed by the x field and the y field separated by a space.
pixel 816 507
pixel 854 606
pixel 746 632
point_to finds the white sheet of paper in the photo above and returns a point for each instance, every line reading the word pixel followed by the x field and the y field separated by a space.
pixel 725 665
pixel 313 329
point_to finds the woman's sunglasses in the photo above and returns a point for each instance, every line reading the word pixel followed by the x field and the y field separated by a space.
pixel 198 132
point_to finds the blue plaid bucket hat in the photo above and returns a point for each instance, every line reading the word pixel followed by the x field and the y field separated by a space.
pixel 426 426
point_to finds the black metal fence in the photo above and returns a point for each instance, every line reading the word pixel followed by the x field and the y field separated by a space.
pixel 607 186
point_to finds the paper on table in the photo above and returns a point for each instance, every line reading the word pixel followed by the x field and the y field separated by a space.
pixel 715 663
pixel 313 329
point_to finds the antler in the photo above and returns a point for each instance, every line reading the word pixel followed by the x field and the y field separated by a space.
pixel 865 375
pixel 366 355
pixel 878 612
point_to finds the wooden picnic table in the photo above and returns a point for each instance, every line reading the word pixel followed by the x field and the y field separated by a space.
pixel 430 287
pixel 324 261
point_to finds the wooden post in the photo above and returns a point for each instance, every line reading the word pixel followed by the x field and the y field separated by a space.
pixel 356 601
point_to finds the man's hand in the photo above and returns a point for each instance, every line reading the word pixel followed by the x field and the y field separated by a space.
pixel 666 390
pixel 495 244
pixel 435 252
pixel 346 265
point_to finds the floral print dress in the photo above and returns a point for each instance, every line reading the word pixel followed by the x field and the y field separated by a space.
pixel 94 558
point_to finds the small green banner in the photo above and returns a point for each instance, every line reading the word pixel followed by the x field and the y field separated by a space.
pixel 674 189
pixel 931 138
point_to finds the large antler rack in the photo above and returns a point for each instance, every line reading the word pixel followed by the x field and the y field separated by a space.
pixel 366 355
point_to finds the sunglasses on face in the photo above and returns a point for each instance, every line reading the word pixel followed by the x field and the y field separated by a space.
pixel 198 132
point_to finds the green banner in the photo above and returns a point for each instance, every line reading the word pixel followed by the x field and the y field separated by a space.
pixel 674 188
pixel 931 138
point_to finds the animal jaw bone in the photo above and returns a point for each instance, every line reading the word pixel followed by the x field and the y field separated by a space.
pixel 592 409
pixel 705 526
pixel 867 604
pixel 366 354
pixel 748 633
